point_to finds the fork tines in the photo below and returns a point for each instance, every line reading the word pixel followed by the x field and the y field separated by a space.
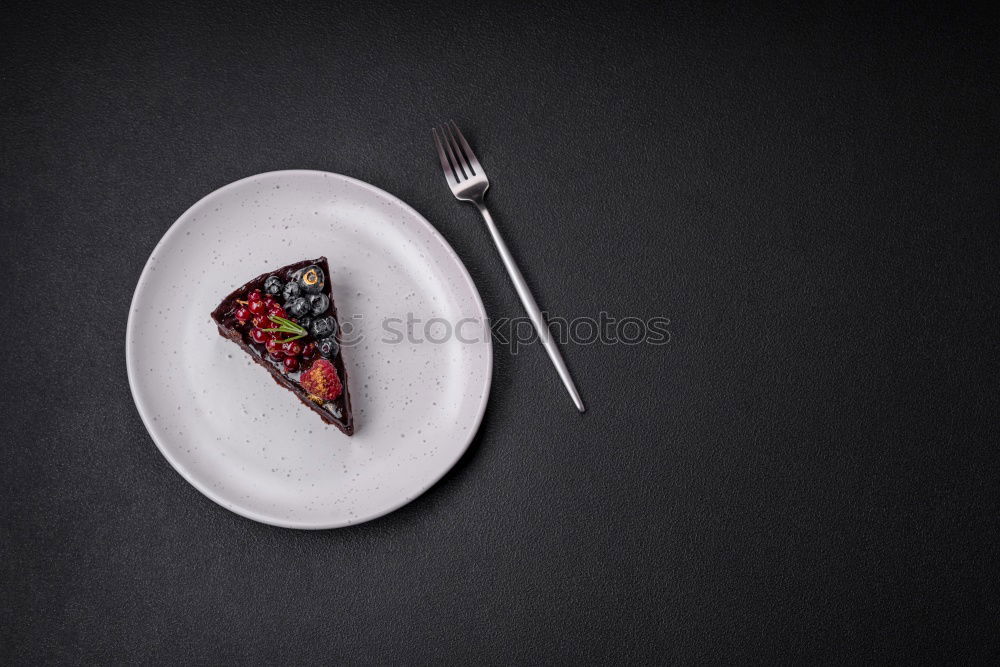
pixel 457 159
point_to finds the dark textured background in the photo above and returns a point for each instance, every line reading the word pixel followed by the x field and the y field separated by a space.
pixel 807 472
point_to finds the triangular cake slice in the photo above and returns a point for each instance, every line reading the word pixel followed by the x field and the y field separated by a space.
pixel 286 321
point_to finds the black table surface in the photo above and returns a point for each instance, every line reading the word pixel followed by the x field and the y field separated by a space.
pixel 807 471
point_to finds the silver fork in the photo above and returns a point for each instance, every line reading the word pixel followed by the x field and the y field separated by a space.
pixel 468 182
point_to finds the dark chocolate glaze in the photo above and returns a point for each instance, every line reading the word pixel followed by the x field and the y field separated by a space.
pixel 230 328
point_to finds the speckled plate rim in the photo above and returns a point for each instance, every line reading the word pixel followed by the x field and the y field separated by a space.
pixel 130 362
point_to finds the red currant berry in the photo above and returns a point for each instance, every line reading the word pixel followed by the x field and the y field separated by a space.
pixel 258 336
pixel 242 315
pixel 254 296
pixel 277 311
pixel 257 307
pixel 308 350
pixel 269 301
pixel 291 364
pixel 261 322
pixel 274 346
pixel 276 355
pixel 292 348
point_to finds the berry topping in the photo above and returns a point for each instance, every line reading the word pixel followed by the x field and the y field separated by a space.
pixel 274 349
pixel 312 280
pixel 323 327
pixel 298 307
pixel 328 347
pixel 276 311
pixel 261 322
pixel 308 351
pixel 257 307
pixel 273 285
pixel 255 295
pixel 321 381
pixel 305 321
pixel 269 301
pixel 291 291
pixel 258 336
pixel 243 314
pixel 318 303
pixel 291 364
pixel 292 348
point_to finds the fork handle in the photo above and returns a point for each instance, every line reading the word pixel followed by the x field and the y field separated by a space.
pixel 534 314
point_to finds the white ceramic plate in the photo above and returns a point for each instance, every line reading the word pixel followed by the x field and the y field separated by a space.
pixel 249 444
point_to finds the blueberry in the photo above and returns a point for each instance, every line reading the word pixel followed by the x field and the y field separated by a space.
pixel 312 280
pixel 273 285
pixel 298 307
pixel 328 347
pixel 323 327
pixel 291 290
pixel 305 321
pixel 318 303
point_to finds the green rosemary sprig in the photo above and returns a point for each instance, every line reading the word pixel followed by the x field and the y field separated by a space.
pixel 288 327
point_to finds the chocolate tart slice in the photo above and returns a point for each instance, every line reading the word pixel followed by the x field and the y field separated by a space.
pixel 286 321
